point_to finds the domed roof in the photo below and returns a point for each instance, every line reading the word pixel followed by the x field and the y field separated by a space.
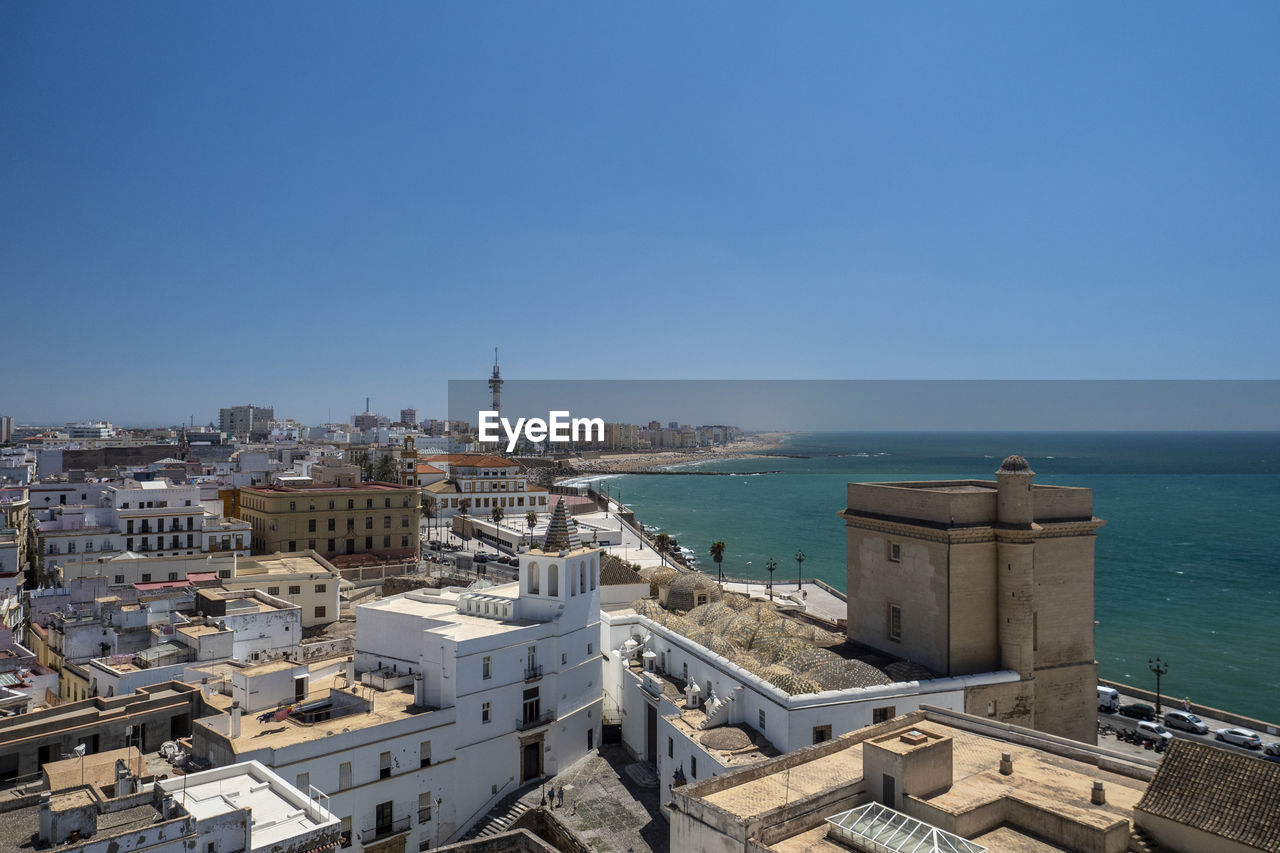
pixel 690 590
pixel 1014 465
pixel 691 581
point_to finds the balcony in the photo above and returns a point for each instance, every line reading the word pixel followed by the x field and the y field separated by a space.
pixel 533 673
pixel 544 719
pixel 386 830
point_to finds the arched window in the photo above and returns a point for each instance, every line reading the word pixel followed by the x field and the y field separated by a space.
pixel 534 586
pixel 595 574
pixel 582 576
pixel 553 580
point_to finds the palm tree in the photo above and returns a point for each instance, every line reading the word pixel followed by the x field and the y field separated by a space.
pixel 717 554
pixel 385 470
pixel 497 515
pixel 530 519
pixel 428 509
pixel 464 506
pixel 770 566
pixel 662 542
pixel 361 458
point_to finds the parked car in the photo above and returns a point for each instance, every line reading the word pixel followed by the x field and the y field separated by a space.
pixel 1240 737
pixel 1138 711
pixel 1108 699
pixel 1272 749
pixel 1186 721
pixel 481 558
pixel 1154 731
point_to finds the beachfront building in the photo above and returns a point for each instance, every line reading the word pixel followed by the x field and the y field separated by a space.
pixel 484 482
pixel 621 436
pixel 931 780
pixel 379 519
pixel 461 697
pixel 973 576
pixel 705 681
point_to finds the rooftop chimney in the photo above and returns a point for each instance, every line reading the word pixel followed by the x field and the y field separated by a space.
pixel 1006 764
pixel 235 719
pixel 1099 795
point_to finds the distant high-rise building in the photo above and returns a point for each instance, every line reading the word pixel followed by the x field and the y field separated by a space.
pixel 409 417
pixel 6 429
pixel 246 422
pixel 369 420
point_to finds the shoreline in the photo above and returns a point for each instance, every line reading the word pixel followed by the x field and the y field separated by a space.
pixel 748 447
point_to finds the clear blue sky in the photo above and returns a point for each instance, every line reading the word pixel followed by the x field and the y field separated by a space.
pixel 301 204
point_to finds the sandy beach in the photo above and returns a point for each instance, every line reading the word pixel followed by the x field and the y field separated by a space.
pixel 747 447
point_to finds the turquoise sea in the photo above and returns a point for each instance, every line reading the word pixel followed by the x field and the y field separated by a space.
pixel 1187 567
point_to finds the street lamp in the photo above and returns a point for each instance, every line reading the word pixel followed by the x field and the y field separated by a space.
pixel 769 567
pixel 799 569
pixel 1159 667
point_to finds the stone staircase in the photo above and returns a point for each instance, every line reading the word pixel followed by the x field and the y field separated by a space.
pixel 500 818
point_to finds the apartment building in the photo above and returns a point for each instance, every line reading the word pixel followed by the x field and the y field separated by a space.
pixel 484 482
pixel 304 578
pixel 365 518
pixel 452 700
pixel 246 422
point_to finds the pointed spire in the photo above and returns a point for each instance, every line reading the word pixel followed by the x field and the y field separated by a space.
pixel 562 533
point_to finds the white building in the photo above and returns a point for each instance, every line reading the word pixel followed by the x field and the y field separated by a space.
pixel 246 626
pixel 484 482
pixel 166 519
pixel 304 578
pixel 89 430
pixel 772 683
pixel 464 696
pixel 244 808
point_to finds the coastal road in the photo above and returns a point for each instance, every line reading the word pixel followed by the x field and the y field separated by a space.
pixel 1121 722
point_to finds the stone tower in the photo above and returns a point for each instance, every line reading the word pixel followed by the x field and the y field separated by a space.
pixel 967 577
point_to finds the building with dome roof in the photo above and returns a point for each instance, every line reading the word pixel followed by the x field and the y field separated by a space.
pixel 684 592
pixel 974 576
pixel 772 681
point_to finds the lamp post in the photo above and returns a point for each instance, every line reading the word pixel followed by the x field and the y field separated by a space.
pixel 769 567
pixel 1159 667
pixel 799 569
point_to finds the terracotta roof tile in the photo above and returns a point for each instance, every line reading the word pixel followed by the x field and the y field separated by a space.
pixel 1219 792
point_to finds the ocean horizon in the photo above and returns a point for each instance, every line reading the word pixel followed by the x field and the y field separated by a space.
pixel 1186 567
